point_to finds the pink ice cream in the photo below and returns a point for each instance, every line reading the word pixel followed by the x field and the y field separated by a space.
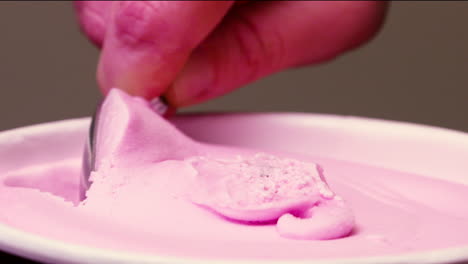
pixel 242 185
pixel 268 188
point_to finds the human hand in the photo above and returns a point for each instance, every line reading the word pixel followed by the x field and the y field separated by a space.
pixel 192 51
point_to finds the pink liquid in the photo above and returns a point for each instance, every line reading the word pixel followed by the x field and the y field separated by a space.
pixel 395 213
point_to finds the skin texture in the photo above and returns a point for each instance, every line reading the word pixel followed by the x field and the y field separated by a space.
pixel 192 51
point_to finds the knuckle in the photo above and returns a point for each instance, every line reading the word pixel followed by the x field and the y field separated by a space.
pixel 262 50
pixel 133 23
pixel 92 18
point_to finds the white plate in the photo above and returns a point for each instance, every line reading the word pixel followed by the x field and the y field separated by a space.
pixel 380 142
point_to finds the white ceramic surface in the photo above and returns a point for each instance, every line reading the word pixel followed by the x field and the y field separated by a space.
pixel 432 152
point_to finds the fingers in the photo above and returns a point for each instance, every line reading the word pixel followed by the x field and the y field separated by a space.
pixel 147 42
pixel 264 37
pixel 92 18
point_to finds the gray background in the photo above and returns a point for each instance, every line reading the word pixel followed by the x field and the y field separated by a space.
pixel 415 70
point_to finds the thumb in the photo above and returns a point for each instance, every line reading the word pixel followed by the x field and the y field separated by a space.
pixel 147 42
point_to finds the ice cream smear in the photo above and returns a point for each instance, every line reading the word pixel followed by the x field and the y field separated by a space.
pixel 239 185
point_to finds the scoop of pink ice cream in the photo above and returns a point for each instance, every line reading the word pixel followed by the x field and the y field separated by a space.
pixel 258 188
pixel 264 188
pixel 131 133
pixel 238 184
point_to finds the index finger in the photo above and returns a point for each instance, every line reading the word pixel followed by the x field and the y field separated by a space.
pixel 148 42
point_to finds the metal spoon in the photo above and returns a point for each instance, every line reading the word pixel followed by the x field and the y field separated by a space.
pixel 159 105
